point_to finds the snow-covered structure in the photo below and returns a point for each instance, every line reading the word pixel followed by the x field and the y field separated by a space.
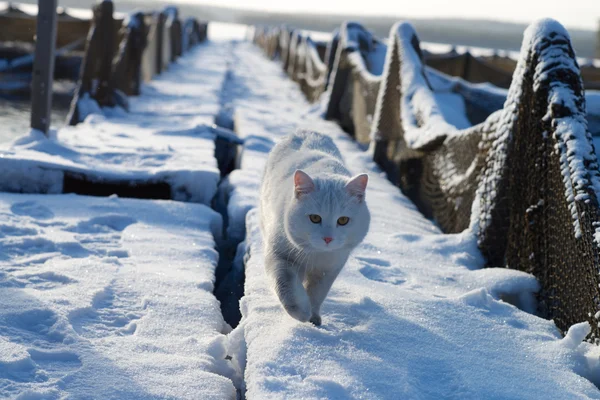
pixel 355 79
pixel 412 315
pixel 162 148
pixel 117 298
pixel 516 168
pixel 305 62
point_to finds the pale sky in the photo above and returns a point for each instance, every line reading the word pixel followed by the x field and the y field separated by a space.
pixel 582 14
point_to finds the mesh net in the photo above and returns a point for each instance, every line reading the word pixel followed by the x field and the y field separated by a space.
pixel 538 197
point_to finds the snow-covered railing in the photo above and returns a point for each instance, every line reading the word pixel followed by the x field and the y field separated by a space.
pixel 295 41
pixel 356 64
pixel 330 54
pixel 268 39
pixel 524 180
pixel 192 33
pixel 18 23
pixel 352 70
pixel 96 66
pixel 522 177
pixel 172 32
pixel 128 64
pixel 355 79
pixel 309 70
pixel 284 41
pixel 117 61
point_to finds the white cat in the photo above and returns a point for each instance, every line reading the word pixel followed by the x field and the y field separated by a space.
pixel 313 214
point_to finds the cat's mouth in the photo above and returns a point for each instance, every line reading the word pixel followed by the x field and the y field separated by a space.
pixel 326 247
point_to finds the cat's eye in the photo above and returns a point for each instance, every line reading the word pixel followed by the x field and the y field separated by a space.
pixel 343 220
pixel 314 218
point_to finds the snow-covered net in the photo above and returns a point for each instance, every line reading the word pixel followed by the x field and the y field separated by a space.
pixel 495 69
pixel 350 65
pixel 523 175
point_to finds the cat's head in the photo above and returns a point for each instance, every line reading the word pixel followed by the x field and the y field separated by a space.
pixel 327 214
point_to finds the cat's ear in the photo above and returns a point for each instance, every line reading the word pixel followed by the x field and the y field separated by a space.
pixel 303 184
pixel 357 186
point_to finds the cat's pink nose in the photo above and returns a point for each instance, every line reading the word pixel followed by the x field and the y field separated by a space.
pixel 327 239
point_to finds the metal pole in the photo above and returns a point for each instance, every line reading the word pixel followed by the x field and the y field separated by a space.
pixel 43 65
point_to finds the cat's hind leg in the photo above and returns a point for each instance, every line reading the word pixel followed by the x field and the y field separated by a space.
pixel 289 289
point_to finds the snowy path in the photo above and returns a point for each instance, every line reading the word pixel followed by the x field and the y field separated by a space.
pixel 109 298
pixel 410 316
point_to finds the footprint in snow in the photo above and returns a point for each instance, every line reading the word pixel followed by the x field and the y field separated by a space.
pixel 32 209
pixel 373 261
pixel 35 325
pixel 342 315
pixel 375 274
pixel 407 237
pixel 46 357
pixel 47 280
pixel 103 223
pixel 12 230
pixel 112 314
pixel 379 270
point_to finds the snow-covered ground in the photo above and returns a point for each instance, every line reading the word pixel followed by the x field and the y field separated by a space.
pixel 109 298
pixel 112 298
pixel 412 315
pixel 162 139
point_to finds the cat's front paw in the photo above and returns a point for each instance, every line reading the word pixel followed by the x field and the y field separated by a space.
pixel 315 320
pixel 298 312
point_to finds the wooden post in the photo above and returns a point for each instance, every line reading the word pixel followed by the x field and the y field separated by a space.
pixel 104 91
pixel 160 27
pixel 598 41
pixel 127 70
pixel 95 74
pixel 43 65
